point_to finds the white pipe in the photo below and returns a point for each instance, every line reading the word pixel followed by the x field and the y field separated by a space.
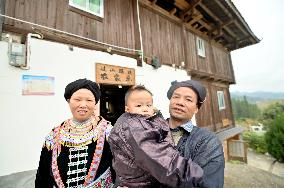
pixel 28 49
pixel 140 33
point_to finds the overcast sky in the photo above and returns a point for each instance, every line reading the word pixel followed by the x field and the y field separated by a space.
pixel 260 67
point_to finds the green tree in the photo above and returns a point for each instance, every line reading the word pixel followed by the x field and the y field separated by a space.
pixel 270 113
pixel 243 109
pixel 274 138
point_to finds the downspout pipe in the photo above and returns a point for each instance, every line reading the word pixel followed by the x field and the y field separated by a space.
pixel 140 33
pixel 28 49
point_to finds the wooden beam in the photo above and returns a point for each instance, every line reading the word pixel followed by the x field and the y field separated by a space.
pixel 173 11
pixel 208 76
pixel 196 18
pixel 222 24
pixel 188 11
pixel 154 2
pixel 224 9
pixel 237 43
pixel 187 8
pixel 185 47
pixel 231 16
pixel 2 11
pixel 67 39
pixel 184 5
pixel 206 25
pixel 220 33
pixel 193 19
pixel 210 13
pixel 181 4
pixel 162 12
pixel 230 32
pixel 244 38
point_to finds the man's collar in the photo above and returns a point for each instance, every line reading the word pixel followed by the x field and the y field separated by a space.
pixel 188 126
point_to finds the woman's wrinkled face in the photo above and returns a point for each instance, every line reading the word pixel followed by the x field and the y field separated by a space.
pixel 82 104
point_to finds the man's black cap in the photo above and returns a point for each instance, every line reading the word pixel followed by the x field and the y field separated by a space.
pixel 192 84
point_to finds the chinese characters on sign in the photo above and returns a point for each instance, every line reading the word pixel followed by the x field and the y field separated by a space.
pixel 110 74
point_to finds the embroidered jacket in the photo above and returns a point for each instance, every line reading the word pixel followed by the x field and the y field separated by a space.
pixel 60 159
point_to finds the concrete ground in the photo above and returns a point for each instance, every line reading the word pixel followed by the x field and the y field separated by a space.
pixel 18 180
pixel 264 162
pixel 241 175
pixel 237 175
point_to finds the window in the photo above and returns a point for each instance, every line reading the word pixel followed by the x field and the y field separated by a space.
pixel 91 6
pixel 221 100
pixel 200 47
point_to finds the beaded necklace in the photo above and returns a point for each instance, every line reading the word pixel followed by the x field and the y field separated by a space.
pixel 72 137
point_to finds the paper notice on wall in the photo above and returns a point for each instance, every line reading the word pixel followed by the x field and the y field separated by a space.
pixel 37 85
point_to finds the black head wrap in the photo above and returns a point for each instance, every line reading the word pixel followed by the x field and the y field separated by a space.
pixel 80 84
pixel 194 85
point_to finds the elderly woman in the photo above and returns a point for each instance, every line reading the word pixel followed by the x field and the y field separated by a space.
pixel 76 153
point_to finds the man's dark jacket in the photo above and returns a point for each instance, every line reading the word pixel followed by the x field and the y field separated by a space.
pixel 205 149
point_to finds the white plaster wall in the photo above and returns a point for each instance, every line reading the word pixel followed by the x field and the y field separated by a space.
pixel 158 81
pixel 25 120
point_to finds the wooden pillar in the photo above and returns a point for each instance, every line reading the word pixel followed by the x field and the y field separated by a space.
pixel 185 47
pixel 2 11
pixel 212 99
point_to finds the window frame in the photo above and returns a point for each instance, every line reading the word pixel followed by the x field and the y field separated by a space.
pixel 87 10
pixel 200 44
pixel 221 100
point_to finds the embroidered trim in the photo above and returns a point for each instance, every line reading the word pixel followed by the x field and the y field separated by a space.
pixel 55 153
pixel 104 181
pixel 97 158
pixel 56 149
pixel 75 161
pixel 71 135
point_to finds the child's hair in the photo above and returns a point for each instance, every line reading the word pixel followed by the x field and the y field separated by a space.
pixel 135 88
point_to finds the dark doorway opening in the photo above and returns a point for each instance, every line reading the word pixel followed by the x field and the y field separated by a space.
pixel 112 101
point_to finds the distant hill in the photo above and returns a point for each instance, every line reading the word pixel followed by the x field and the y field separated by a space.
pixel 259 96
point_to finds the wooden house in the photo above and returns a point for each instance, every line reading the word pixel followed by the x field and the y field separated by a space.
pixel 192 37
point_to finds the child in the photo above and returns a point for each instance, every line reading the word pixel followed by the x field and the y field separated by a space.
pixel 143 153
pixel 138 100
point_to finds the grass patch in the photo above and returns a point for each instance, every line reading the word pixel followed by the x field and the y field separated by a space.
pixel 236 162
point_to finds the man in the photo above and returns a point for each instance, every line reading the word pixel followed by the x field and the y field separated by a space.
pixel 143 152
pixel 195 143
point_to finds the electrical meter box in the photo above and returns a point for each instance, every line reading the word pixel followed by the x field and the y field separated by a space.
pixel 17 54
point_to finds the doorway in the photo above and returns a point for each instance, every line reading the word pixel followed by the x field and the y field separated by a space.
pixel 112 101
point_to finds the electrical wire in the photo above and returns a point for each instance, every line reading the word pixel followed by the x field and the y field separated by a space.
pixel 78 36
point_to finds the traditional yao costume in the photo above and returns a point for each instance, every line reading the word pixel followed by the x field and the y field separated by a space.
pixel 77 154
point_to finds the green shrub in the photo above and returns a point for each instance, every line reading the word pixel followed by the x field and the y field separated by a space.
pixel 255 141
pixel 275 138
